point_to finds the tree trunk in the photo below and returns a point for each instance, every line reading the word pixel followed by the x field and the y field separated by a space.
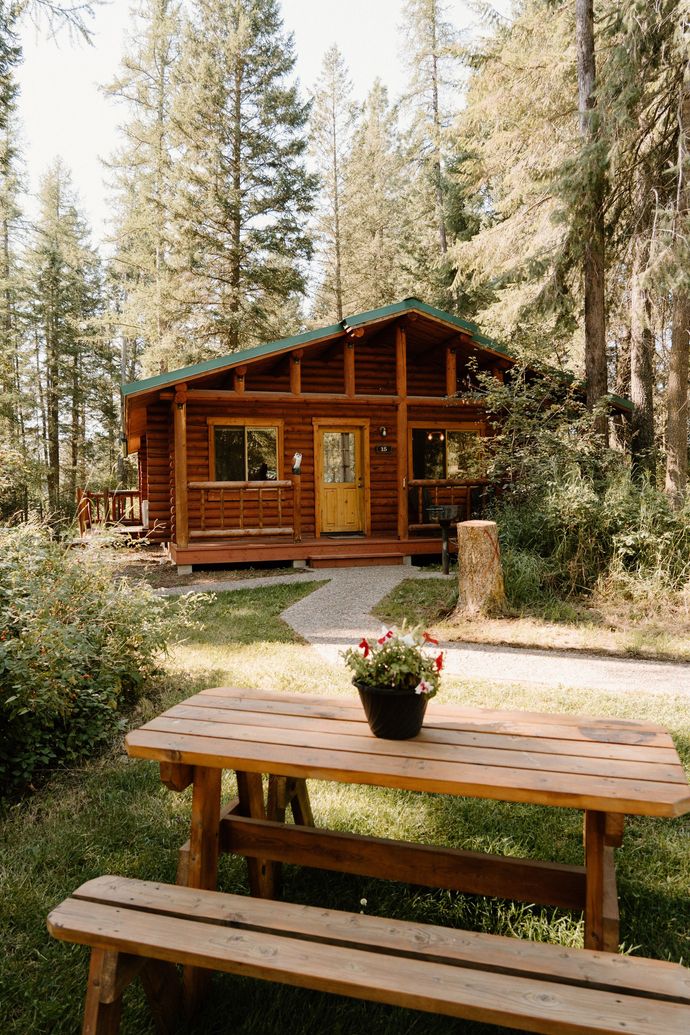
pixel 677 391
pixel 593 221
pixel 480 574
pixel 438 176
pixel 641 365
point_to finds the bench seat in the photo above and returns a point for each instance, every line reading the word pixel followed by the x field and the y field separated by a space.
pixel 504 981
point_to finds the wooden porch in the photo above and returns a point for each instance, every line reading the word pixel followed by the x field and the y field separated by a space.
pixel 321 551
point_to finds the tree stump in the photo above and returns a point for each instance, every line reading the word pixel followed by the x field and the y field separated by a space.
pixel 480 574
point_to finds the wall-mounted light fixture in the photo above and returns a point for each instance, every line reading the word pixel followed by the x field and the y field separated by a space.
pixel 383 431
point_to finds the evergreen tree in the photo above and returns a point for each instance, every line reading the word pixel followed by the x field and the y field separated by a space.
pixel 374 212
pixel 590 213
pixel 10 55
pixel 143 179
pixel 64 272
pixel 332 121
pixel 243 191
pixel 429 54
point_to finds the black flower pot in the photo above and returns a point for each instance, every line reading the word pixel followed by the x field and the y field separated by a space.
pixel 392 714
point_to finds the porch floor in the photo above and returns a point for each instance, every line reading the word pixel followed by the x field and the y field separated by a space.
pixel 359 550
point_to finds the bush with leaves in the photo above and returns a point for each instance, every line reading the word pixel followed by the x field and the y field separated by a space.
pixel 569 511
pixel 76 648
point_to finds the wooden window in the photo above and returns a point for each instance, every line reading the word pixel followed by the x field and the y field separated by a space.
pixel 244 450
pixel 443 453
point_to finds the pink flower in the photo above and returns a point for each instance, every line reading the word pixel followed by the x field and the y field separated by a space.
pixel 422 687
pixel 429 639
pixel 365 647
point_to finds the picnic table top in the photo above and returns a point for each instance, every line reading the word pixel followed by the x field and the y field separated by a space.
pixel 604 764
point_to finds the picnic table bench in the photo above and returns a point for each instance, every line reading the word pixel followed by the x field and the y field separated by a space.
pixel 606 767
pixel 141 928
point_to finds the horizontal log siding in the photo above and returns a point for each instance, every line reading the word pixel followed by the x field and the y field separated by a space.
pixel 324 370
pixel 268 377
pixel 298 438
pixel 375 367
pixel 426 372
pixel 158 460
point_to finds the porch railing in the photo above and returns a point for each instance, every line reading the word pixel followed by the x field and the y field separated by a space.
pixel 111 507
pixel 432 492
pixel 238 509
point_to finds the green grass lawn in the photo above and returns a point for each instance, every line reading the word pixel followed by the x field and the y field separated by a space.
pixel 113 815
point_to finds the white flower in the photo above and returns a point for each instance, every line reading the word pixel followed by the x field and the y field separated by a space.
pixel 422 687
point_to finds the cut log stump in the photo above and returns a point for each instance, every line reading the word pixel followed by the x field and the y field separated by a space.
pixel 480 574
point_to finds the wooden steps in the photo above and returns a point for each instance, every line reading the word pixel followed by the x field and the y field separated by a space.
pixel 341 560
pixel 498 980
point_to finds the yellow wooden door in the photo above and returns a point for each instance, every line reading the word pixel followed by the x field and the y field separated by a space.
pixel 341 489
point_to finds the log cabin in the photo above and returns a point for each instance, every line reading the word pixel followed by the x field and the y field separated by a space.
pixel 327 448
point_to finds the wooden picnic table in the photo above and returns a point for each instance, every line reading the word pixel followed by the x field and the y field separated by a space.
pixel 607 767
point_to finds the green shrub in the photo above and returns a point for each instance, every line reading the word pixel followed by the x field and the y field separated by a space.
pixel 569 511
pixel 76 648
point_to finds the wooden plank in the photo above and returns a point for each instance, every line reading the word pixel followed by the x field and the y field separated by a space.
pixel 451 371
pixel 296 372
pixel 203 846
pixel 164 994
pixel 640 732
pixel 543 762
pixel 610 909
pixel 404 937
pixel 262 874
pixel 476 873
pixel 502 784
pixel 176 777
pixel 200 706
pixel 100 1018
pixel 595 822
pixel 496 998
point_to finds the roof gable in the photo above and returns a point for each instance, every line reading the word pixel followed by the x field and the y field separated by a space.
pixel 373 316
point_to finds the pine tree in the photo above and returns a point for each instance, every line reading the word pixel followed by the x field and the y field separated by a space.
pixel 374 210
pixel 332 122
pixel 429 54
pixel 143 180
pixel 591 214
pixel 64 272
pixel 244 193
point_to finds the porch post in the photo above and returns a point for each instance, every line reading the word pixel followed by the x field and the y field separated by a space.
pixel 180 426
pixel 296 371
pixel 349 367
pixel 401 392
pixel 451 370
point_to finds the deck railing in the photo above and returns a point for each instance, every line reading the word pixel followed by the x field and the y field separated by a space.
pixel 111 507
pixel 238 509
pixel 433 492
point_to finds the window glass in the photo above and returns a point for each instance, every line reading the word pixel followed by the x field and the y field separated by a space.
pixel 229 451
pixel 428 453
pixel 339 457
pixel 245 454
pixel 465 455
pixel 262 454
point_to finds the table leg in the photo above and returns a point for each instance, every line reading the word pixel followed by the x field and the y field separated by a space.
pixel 595 824
pixel 202 870
pixel 262 873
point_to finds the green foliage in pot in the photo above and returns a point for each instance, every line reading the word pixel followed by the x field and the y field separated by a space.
pixel 398 660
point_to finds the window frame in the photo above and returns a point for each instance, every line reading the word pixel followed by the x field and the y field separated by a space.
pixel 478 427
pixel 245 422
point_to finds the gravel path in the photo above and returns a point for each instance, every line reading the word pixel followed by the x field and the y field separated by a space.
pixel 338 614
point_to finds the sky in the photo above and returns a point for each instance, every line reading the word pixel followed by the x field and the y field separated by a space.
pixel 62 111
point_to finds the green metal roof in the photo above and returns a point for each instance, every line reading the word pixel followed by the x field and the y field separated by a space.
pixel 310 337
